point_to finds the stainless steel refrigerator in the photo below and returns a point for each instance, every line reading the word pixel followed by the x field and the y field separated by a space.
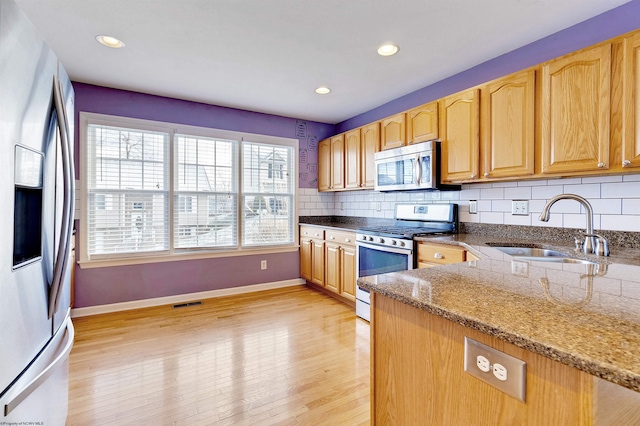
pixel 36 221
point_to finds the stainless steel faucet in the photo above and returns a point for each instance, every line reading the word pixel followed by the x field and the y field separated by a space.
pixel 593 243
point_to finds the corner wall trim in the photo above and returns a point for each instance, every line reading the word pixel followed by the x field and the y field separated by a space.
pixel 180 298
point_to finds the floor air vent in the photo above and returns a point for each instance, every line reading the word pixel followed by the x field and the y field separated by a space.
pixel 184 305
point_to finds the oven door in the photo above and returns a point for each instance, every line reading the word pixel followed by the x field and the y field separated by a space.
pixel 374 260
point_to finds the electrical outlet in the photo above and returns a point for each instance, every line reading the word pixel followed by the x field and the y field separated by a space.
pixel 263 264
pixel 378 206
pixel 520 207
pixel 500 370
pixel 473 206
pixel 520 268
pixel 341 205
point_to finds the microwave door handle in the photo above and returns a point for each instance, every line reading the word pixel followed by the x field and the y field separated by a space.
pixel 418 169
pixel 62 258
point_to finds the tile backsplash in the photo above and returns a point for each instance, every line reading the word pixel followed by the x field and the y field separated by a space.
pixel 615 201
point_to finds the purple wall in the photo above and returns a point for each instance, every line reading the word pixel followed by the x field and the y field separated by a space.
pixel 599 28
pixel 99 286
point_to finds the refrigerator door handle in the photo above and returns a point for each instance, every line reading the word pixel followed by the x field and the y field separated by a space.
pixel 44 375
pixel 60 267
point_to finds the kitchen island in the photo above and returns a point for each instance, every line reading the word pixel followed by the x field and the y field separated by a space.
pixel 577 326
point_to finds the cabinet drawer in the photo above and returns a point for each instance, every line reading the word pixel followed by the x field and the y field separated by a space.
pixel 312 232
pixel 340 237
pixel 441 254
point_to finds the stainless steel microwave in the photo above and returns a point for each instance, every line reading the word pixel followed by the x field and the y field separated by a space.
pixel 410 168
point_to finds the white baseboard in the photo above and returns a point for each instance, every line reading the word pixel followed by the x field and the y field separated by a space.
pixel 181 298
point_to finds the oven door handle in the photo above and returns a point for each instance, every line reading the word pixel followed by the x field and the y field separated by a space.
pixel 386 249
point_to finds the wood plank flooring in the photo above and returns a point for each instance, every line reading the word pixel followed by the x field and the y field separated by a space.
pixel 289 356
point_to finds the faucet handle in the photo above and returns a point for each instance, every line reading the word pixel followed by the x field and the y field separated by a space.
pixel 602 245
pixel 578 244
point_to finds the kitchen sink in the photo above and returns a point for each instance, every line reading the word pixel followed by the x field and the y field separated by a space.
pixel 530 251
pixel 539 254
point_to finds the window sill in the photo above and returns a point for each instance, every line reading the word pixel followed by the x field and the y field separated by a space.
pixel 179 257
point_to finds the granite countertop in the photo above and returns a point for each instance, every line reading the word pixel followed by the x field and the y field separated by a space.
pixel 585 316
pixel 343 223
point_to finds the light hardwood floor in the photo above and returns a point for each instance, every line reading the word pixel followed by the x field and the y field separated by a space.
pixel 290 356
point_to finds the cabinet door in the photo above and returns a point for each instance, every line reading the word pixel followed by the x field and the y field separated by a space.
pixel 332 270
pixel 305 258
pixel 576 112
pixel 348 272
pixel 370 143
pixel 422 123
pixel 352 155
pixel 324 165
pixel 460 136
pixel 392 131
pixel 337 162
pixel 508 126
pixel 631 103
pixel 317 262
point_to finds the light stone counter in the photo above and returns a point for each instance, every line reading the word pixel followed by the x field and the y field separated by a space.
pixel 585 316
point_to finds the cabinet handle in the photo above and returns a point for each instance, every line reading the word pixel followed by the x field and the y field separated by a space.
pixel 332 237
pixel 474 176
pixel 626 163
pixel 438 256
pixel 317 235
pixel 348 240
pixel 486 174
pixel 601 165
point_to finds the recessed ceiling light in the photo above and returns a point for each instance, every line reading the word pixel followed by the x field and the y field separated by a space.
pixel 388 49
pixel 322 90
pixel 109 41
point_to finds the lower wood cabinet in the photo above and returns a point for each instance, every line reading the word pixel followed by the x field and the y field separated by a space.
pixel 418 378
pixel 433 254
pixel 328 259
pixel 312 254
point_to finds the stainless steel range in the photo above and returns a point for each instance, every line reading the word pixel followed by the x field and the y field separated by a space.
pixel 383 249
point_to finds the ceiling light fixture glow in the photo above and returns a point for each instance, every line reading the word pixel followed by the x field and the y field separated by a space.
pixel 109 41
pixel 388 49
pixel 322 90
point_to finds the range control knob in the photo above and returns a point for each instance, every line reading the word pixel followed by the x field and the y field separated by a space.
pixel 381 240
pixel 394 242
pixel 363 237
pixel 370 238
pixel 402 244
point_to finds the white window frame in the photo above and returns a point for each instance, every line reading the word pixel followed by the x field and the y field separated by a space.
pixel 174 254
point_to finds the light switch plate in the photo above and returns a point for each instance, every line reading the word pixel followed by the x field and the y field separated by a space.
pixel 473 206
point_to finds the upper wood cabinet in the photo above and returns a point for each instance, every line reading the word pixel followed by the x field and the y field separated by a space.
pixel 631 102
pixel 324 165
pixel 508 126
pixel 346 161
pixel 422 123
pixel 352 156
pixel 392 132
pixel 459 132
pixel 337 162
pixel 575 111
pixel 370 144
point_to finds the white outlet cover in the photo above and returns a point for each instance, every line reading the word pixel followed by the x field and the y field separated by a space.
pixel 483 363
pixel 500 372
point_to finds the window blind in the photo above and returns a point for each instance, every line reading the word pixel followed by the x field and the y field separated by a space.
pixel 127 190
pixel 205 192
pixel 267 194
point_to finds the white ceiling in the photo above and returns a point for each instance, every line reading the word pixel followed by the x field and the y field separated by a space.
pixel 270 55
